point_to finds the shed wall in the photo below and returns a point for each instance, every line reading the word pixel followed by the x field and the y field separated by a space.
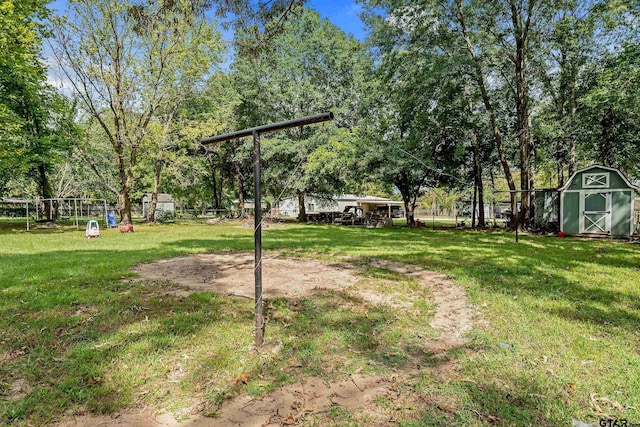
pixel 621 213
pixel 571 213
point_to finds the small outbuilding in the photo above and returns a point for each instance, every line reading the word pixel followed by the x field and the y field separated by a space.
pixel 165 204
pixel 597 201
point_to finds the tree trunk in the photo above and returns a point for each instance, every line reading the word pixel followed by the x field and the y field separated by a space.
pixel 523 132
pixel 126 179
pixel 497 135
pixel 572 157
pixel 241 195
pixel 151 215
pixel 532 184
pixel 214 186
pixel 475 194
pixel 50 206
pixel 302 216
pixel 607 139
pixel 124 203
pixel 214 180
pixel 478 177
pixel 493 201
pixel 402 183
pixel 572 150
pixel 408 208
pixel 559 163
pixel 482 221
pixel 520 32
pixel 221 181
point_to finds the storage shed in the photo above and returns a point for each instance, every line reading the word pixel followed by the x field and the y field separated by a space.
pixel 165 204
pixel 597 201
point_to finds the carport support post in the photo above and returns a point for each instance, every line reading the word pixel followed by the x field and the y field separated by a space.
pixel 257 236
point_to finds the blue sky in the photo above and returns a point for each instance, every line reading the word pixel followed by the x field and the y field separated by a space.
pixel 343 14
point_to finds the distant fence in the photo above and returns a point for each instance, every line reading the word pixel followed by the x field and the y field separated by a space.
pixel 187 213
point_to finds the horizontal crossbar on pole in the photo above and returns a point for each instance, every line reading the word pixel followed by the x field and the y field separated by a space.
pixel 316 118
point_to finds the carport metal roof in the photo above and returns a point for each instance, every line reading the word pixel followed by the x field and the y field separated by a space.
pixel 378 201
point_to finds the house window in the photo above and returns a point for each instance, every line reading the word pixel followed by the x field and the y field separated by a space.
pixel 595 180
pixel 312 207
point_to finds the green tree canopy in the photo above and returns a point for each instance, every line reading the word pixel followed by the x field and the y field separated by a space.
pixel 22 77
pixel 312 67
pixel 129 62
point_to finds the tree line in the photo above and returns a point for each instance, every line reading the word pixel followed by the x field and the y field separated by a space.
pixel 455 94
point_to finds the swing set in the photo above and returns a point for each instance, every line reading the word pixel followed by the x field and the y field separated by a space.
pixel 77 210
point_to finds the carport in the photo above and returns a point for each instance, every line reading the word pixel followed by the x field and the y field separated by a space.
pixel 371 205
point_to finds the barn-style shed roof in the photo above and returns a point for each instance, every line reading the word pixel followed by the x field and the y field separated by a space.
pixel 588 168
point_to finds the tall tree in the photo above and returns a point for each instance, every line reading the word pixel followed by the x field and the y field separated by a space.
pixel 207 172
pixel 423 70
pixel 313 67
pixel 122 59
pixel 610 110
pixel 507 32
pixel 21 76
pixel 36 123
pixel 21 70
pixel 49 125
pixel 203 52
pixel 497 44
pixel 564 70
pixel 441 41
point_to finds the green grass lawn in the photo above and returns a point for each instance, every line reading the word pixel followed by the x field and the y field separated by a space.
pixel 557 335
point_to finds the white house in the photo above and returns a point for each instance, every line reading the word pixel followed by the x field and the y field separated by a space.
pixel 317 204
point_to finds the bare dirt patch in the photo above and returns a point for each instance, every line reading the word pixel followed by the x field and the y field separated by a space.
pixel 453 316
pixel 312 398
pixel 233 274
pixel 293 404
pixel 18 390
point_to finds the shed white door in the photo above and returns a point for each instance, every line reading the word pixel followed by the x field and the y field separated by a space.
pixel 595 210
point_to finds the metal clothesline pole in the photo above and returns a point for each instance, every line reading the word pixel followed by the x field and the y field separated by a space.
pixel 257 232
pixel 515 214
pixel 257 240
pixel 317 118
